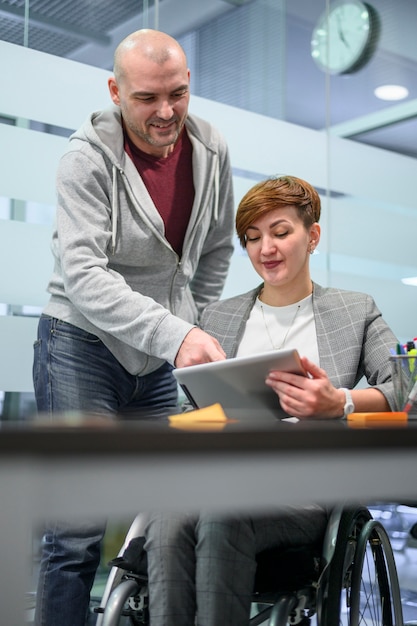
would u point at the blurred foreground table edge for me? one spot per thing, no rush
(104, 470)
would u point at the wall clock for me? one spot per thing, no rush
(345, 37)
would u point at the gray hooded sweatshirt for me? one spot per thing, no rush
(115, 273)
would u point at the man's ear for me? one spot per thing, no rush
(114, 90)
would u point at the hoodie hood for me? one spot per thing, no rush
(99, 131)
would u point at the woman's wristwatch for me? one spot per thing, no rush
(349, 406)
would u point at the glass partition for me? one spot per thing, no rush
(278, 81)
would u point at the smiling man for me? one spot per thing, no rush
(151, 87)
(142, 244)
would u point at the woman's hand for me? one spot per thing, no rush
(307, 396)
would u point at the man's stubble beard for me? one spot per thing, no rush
(147, 137)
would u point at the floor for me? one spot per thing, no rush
(405, 551)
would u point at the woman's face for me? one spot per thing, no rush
(278, 245)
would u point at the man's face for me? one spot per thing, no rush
(153, 99)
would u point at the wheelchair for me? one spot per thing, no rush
(349, 580)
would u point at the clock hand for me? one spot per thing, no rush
(340, 32)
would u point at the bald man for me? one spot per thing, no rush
(142, 244)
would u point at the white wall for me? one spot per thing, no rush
(368, 227)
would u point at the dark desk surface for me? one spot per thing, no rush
(96, 437)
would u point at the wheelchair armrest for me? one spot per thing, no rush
(134, 558)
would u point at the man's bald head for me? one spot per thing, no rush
(151, 86)
(150, 44)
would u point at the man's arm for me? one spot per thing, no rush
(84, 275)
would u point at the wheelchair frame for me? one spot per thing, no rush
(357, 583)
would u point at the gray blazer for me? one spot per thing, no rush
(353, 339)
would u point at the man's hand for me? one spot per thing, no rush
(198, 347)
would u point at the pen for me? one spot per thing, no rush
(411, 397)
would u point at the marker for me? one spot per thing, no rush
(411, 351)
(411, 397)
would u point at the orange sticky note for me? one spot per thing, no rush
(386, 418)
(208, 418)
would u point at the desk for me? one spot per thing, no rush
(119, 469)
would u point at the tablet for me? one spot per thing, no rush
(239, 384)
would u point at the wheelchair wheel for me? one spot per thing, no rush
(375, 595)
(127, 605)
(360, 585)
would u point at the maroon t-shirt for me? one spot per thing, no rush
(169, 182)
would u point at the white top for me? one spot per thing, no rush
(277, 327)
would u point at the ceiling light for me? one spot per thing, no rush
(391, 92)
(410, 281)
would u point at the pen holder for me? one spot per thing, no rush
(404, 373)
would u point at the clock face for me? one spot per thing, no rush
(344, 37)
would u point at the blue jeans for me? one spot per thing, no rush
(73, 370)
